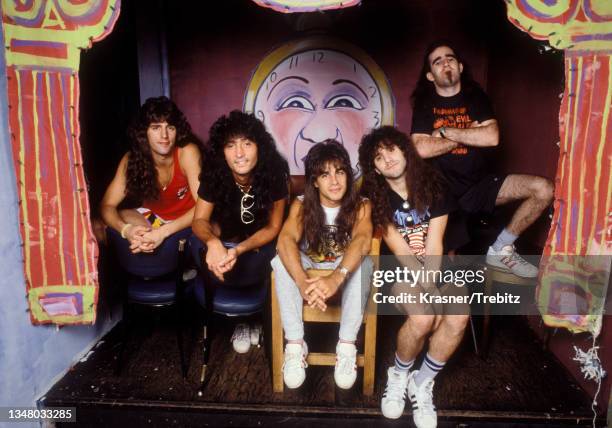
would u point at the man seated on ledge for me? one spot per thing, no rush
(328, 227)
(240, 209)
(160, 173)
(452, 123)
(409, 208)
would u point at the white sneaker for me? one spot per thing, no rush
(423, 410)
(509, 260)
(394, 397)
(345, 372)
(241, 339)
(255, 334)
(294, 367)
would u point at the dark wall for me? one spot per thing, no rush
(108, 77)
(213, 52)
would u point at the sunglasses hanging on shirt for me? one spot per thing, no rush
(246, 204)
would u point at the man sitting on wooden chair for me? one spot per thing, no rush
(328, 227)
(406, 194)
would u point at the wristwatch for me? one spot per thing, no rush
(442, 131)
(344, 271)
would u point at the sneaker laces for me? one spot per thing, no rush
(425, 397)
(516, 257)
(396, 388)
(345, 363)
(294, 361)
(241, 333)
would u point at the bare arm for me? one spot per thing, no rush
(399, 247)
(485, 134)
(267, 233)
(287, 246)
(434, 243)
(430, 147)
(202, 228)
(115, 193)
(361, 241)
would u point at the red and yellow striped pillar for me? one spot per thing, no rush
(43, 40)
(582, 219)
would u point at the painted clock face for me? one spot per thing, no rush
(318, 94)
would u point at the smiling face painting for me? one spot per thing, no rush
(318, 94)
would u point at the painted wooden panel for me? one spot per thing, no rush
(43, 40)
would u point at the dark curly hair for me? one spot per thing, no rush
(424, 88)
(270, 167)
(318, 157)
(141, 176)
(423, 181)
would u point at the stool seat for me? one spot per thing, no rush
(232, 301)
(155, 291)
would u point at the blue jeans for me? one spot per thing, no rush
(251, 268)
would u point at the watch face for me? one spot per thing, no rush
(316, 89)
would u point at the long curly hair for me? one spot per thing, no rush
(424, 182)
(141, 176)
(270, 167)
(424, 88)
(318, 157)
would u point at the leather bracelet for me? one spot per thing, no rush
(124, 229)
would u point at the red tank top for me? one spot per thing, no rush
(176, 199)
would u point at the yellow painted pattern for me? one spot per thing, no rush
(58, 187)
(22, 187)
(39, 196)
(580, 245)
(88, 295)
(570, 131)
(561, 34)
(81, 37)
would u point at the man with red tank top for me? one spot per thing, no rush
(160, 174)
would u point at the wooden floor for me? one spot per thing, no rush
(518, 383)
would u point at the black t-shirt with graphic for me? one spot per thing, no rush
(412, 224)
(243, 214)
(464, 166)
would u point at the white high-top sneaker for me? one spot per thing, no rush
(294, 367)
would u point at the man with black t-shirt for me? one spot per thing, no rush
(411, 211)
(239, 212)
(452, 122)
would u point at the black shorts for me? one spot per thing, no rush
(481, 196)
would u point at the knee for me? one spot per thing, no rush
(456, 324)
(421, 325)
(543, 190)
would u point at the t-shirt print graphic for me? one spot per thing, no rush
(455, 117)
(331, 248)
(413, 227)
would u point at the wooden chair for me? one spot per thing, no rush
(367, 359)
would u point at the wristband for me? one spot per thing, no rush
(442, 131)
(124, 229)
